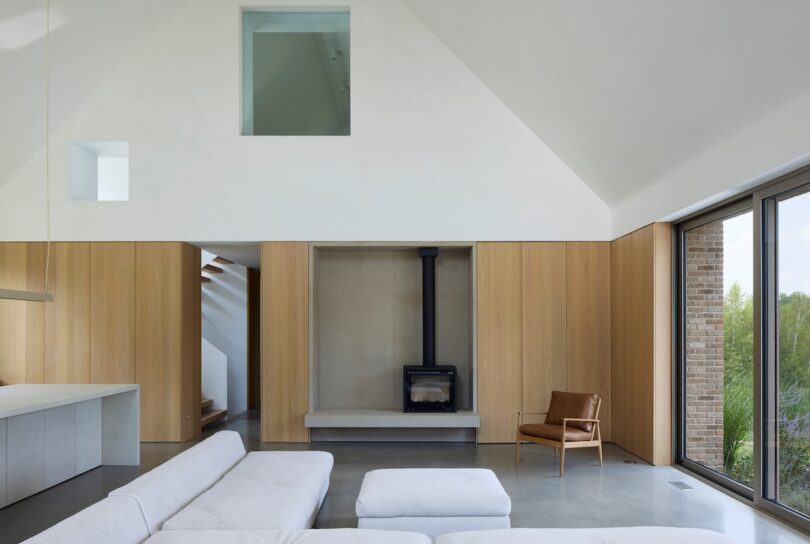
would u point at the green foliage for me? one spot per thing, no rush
(738, 410)
(794, 393)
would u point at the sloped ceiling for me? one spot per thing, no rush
(626, 91)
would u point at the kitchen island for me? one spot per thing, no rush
(50, 433)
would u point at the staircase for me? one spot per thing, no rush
(209, 414)
(212, 269)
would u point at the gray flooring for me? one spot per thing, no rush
(625, 491)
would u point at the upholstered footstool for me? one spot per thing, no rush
(432, 501)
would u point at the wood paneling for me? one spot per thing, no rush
(112, 312)
(641, 339)
(588, 323)
(88, 334)
(67, 330)
(499, 317)
(167, 340)
(191, 330)
(285, 339)
(662, 346)
(544, 324)
(254, 304)
(21, 323)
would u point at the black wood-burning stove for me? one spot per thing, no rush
(429, 387)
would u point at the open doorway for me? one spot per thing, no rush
(230, 308)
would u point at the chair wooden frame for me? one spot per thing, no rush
(562, 445)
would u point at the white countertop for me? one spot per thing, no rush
(26, 398)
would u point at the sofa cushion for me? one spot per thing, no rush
(613, 535)
(166, 489)
(579, 405)
(312, 536)
(433, 492)
(266, 490)
(435, 526)
(114, 519)
(555, 432)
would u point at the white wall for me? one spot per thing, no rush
(214, 375)
(768, 147)
(433, 154)
(224, 325)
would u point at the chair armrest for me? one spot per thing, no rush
(579, 419)
(521, 414)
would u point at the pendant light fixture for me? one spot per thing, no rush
(42, 296)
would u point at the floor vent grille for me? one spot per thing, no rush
(683, 486)
(630, 462)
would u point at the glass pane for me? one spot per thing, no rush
(719, 340)
(793, 349)
(296, 73)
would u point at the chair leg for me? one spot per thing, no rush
(556, 452)
(517, 450)
(562, 461)
(600, 453)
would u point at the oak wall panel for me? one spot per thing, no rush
(112, 312)
(22, 332)
(67, 318)
(500, 352)
(588, 323)
(641, 377)
(544, 324)
(284, 341)
(167, 340)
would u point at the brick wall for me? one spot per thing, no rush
(704, 345)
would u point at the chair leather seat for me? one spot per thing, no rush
(555, 432)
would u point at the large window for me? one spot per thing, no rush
(295, 73)
(744, 346)
(719, 343)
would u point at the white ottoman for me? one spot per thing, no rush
(432, 501)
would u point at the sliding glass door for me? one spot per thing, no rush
(718, 344)
(743, 387)
(786, 357)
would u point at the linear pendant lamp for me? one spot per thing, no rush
(29, 296)
(39, 296)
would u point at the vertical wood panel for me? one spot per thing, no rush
(112, 312)
(588, 323)
(284, 346)
(254, 338)
(544, 324)
(158, 339)
(67, 318)
(22, 324)
(619, 279)
(662, 351)
(639, 374)
(499, 316)
(191, 330)
(641, 336)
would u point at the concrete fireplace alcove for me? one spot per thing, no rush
(366, 325)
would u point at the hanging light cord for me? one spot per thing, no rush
(47, 140)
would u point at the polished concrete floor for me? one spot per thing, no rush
(625, 491)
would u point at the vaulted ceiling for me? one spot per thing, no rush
(626, 91)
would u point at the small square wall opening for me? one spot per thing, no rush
(99, 171)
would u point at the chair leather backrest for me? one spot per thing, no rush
(582, 405)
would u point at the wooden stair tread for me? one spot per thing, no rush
(205, 279)
(212, 269)
(212, 416)
(206, 403)
(222, 260)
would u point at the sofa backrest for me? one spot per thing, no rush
(114, 519)
(168, 488)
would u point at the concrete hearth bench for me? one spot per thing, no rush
(432, 501)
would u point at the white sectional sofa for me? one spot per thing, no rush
(216, 493)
